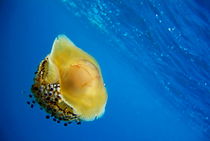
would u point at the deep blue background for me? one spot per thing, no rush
(154, 57)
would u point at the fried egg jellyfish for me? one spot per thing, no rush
(68, 83)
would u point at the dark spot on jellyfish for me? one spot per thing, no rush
(33, 102)
(50, 93)
(54, 119)
(54, 110)
(56, 99)
(51, 89)
(58, 121)
(28, 102)
(30, 96)
(69, 122)
(79, 122)
(65, 124)
(49, 109)
(47, 117)
(52, 115)
(32, 105)
(48, 98)
(35, 88)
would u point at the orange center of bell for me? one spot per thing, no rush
(79, 76)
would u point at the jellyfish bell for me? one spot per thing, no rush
(69, 83)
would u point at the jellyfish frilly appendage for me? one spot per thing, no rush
(76, 81)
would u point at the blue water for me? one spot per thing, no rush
(154, 57)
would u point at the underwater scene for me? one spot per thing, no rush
(105, 70)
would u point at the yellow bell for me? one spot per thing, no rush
(69, 84)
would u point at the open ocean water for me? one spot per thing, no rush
(154, 56)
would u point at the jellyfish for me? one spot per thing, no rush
(68, 84)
